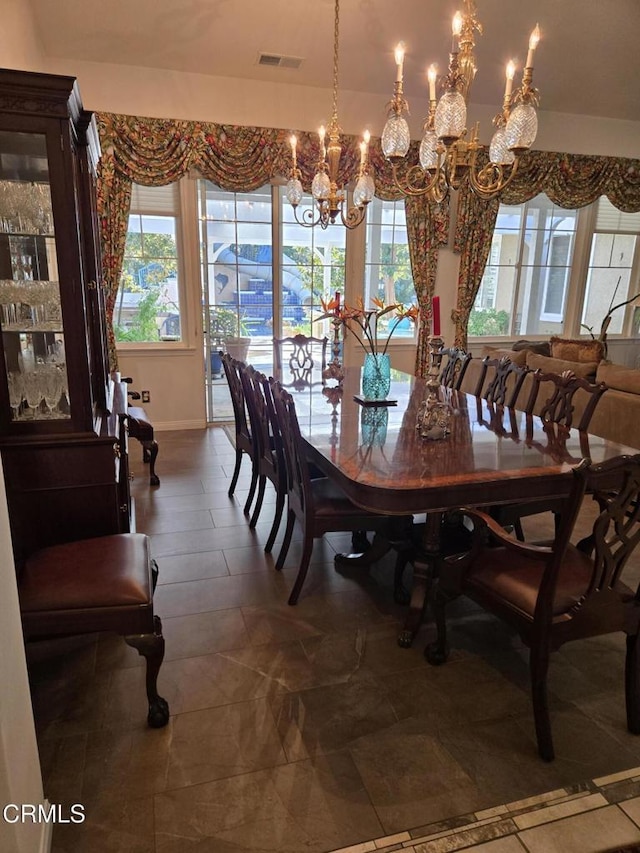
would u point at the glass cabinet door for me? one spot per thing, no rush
(30, 306)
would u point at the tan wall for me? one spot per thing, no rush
(20, 778)
(19, 42)
(175, 382)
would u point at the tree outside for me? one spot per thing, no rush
(150, 270)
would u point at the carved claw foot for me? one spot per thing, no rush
(158, 715)
(154, 480)
(405, 639)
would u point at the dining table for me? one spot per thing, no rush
(489, 456)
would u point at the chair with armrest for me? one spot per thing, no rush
(453, 372)
(551, 594)
(298, 359)
(94, 585)
(245, 442)
(319, 505)
(140, 427)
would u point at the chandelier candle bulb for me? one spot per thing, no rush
(510, 73)
(364, 150)
(321, 134)
(431, 75)
(533, 43)
(399, 56)
(456, 29)
(293, 140)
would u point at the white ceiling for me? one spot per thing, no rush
(588, 60)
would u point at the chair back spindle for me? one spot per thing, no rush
(300, 357)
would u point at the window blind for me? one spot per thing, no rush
(611, 219)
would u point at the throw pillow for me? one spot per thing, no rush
(541, 347)
(577, 350)
(620, 377)
(519, 358)
(586, 370)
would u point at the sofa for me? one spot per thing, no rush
(617, 416)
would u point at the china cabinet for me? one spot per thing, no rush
(63, 452)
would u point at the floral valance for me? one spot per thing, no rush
(154, 152)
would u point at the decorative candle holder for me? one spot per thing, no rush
(434, 415)
(334, 369)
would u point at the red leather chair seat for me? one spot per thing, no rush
(65, 577)
(496, 576)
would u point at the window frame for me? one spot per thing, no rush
(185, 228)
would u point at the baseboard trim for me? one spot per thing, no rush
(163, 426)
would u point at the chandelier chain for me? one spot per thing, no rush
(336, 35)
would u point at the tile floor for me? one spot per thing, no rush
(307, 728)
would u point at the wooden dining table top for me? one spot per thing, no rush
(378, 457)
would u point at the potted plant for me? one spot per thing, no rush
(227, 331)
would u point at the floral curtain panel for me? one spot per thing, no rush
(427, 230)
(569, 180)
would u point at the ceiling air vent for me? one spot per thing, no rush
(275, 60)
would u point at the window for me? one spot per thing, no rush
(147, 307)
(525, 284)
(263, 275)
(613, 251)
(312, 268)
(387, 271)
(556, 278)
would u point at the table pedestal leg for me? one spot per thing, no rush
(425, 561)
(376, 551)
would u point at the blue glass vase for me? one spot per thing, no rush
(376, 376)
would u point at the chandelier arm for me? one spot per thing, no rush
(354, 216)
(413, 182)
(307, 218)
(496, 185)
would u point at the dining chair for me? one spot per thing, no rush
(303, 357)
(245, 442)
(93, 585)
(270, 452)
(553, 593)
(453, 372)
(559, 407)
(319, 505)
(557, 411)
(505, 381)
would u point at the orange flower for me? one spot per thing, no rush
(363, 322)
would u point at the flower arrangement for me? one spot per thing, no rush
(363, 322)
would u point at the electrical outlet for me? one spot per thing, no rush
(145, 396)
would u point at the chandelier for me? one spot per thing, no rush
(447, 156)
(330, 200)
